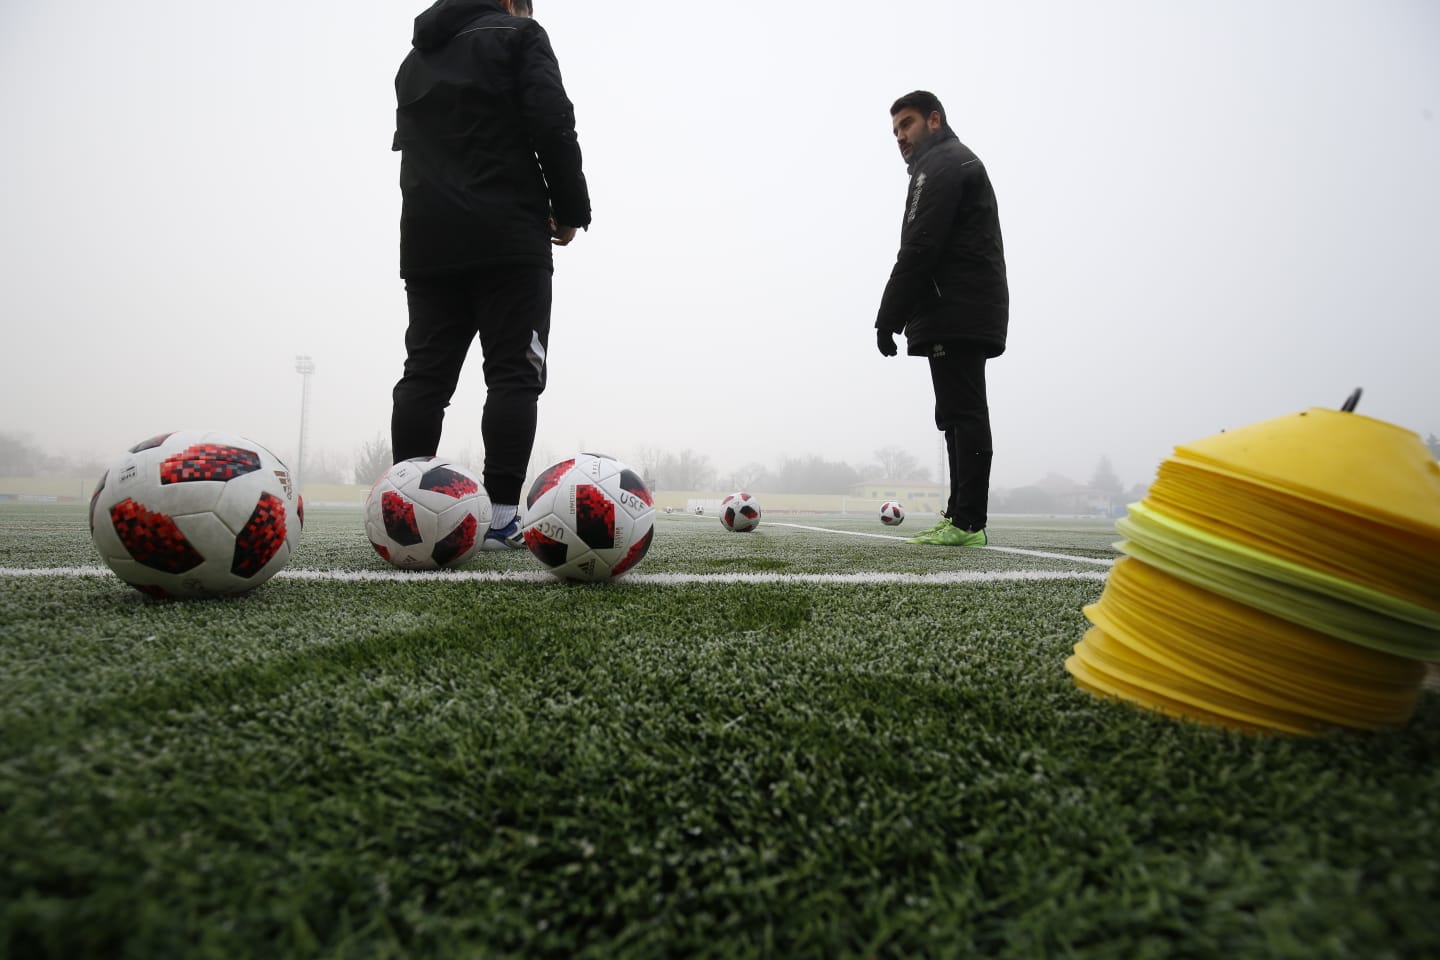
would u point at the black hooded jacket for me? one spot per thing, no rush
(487, 142)
(949, 282)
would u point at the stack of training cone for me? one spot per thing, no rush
(1283, 576)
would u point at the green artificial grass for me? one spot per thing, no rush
(412, 767)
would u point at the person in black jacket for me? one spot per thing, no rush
(948, 295)
(490, 180)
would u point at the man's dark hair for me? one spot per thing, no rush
(922, 100)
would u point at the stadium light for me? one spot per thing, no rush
(305, 367)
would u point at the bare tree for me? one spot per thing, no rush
(686, 470)
(897, 464)
(649, 462)
(751, 477)
(372, 459)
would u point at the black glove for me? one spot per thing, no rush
(885, 340)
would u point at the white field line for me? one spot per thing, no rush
(1097, 561)
(846, 533)
(654, 579)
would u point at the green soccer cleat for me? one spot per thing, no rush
(940, 524)
(924, 535)
(950, 535)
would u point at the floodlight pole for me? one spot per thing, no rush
(305, 367)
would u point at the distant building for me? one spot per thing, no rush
(920, 496)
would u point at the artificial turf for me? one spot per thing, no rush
(435, 767)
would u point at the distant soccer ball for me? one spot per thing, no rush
(699, 511)
(891, 513)
(740, 512)
(589, 518)
(426, 513)
(196, 514)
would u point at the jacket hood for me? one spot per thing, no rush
(445, 18)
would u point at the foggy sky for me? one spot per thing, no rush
(1214, 213)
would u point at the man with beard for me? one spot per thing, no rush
(948, 294)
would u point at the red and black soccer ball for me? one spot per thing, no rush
(740, 512)
(589, 518)
(196, 513)
(427, 513)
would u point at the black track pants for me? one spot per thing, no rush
(963, 414)
(508, 309)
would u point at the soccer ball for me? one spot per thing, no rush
(589, 518)
(891, 513)
(740, 512)
(426, 513)
(196, 514)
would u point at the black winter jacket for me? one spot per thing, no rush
(949, 281)
(487, 142)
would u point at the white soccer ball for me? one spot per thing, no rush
(891, 513)
(589, 518)
(426, 513)
(740, 512)
(196, 513)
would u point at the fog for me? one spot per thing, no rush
(1214, 213)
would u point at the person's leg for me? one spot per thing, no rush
(436, 342)
(513, 310)
(962, 413)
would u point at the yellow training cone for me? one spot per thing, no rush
(1283, 576)
(1358, 465)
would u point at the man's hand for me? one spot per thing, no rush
(560, 236)
(885, 340)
